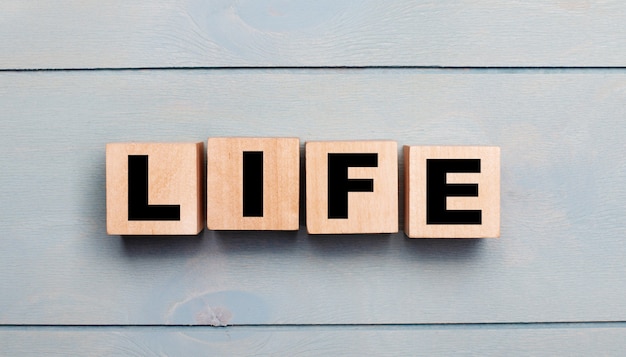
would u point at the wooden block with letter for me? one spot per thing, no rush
(253, 183)
(154, 188)
(452, 191)
(352, 187)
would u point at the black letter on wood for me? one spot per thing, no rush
(253, 183)
(437, 190)
(138, 207)
(339, 184)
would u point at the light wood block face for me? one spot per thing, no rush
(352, 187)
(253, 183)
(452, 191)
(154, 188)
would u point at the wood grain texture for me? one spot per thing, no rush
(174, 177)
(279, 179)
(486, 200)
(374, 210)
(315, 341)
(175, 33)
(560, 256)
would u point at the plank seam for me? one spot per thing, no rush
(544, 324)
(486, 68)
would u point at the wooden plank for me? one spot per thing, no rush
(175, 33)
(560, 255)
(314, 341)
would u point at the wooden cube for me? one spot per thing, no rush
(253, 183)
(154, 188)
(352, 187)
(452, 191)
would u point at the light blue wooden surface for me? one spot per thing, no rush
(174, 33)
(317, 341)
(563, 199)
(560, 258)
